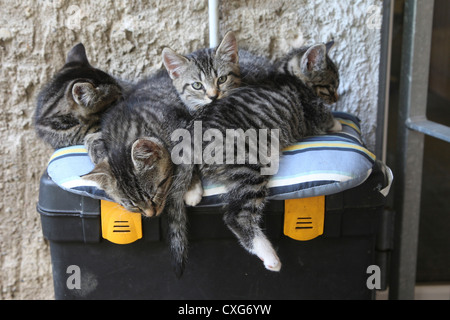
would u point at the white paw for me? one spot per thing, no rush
(273, 265)
(264, 250)
(194, 195)
(337, 126)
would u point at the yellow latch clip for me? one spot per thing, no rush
(119, 225)
(304, 218)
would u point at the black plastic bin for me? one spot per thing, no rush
(334, 265)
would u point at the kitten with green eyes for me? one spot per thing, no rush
(137, 170)
(207, 75)
(204, 75)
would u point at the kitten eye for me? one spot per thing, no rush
(222, 79)
(323, 91)
(197, 85)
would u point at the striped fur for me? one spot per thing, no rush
(70, 106)
(205, 75)
(282, 102)
(254, 68)
(137, 171)
(315, 68)
(311, 64)
(137, 167)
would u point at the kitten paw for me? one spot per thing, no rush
(264, 250)
(194, 195)
(273, 265)
(337, 126)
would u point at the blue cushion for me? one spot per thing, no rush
(317, 165)
(67, 165)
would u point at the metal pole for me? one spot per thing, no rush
(385, 72)
(213, 12)
(418, 23)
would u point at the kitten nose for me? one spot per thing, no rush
(213, 97)
(149, 212)
(212, 93)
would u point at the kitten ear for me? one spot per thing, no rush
(174, 62)
(77, 54)
(101, 174)
(145, 152)
(314, 59)
(83, 93)
(329, 45)
(228, 48)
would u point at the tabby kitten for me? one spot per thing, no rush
(144, 126)
(137, 170)
(70, 106)
(139, 174)
(287, 98)
(205, 75)
(284, 102)
(315, 68)
(310, 64)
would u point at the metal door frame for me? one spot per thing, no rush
(412, 128)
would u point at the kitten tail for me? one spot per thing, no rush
(177, 218)
(178, 241)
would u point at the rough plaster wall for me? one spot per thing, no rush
(126, 38)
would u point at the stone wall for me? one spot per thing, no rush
(126, 38)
